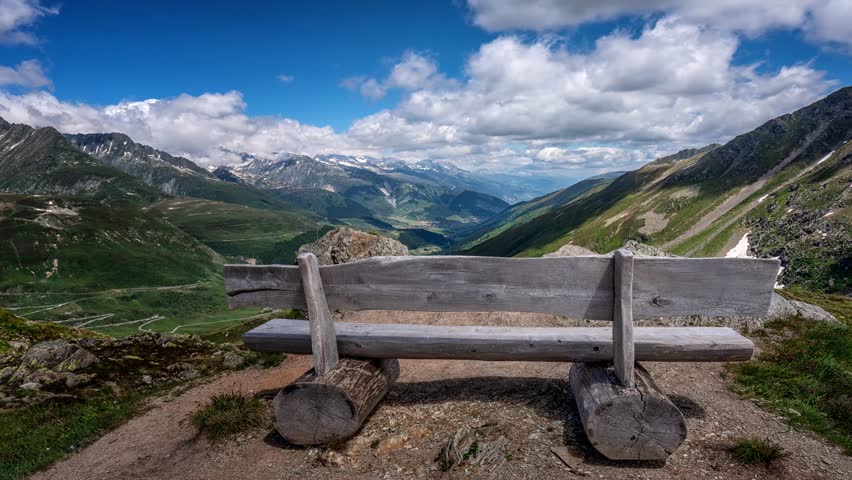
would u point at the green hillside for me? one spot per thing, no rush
(796, 165)
(60, 244)
(525, 211)
(238, 232)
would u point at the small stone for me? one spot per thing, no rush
(147, 380)
(333, 458)
(30, 386)
(232, 360)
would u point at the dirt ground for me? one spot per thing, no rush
(519, 409)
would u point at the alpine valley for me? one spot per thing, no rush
(97, 230)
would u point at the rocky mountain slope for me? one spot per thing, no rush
(168, 174)
(369, 193)
(43, 161)
(703, 202)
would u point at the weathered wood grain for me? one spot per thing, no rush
(323, 339)
(638, 423)
(581, 344)
(580, 287)
(318, 409)
(622, 317)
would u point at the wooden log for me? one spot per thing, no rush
(316, 410)
(638, 423)
(622, 317)
(539, 344)
(323, 339)
(579, 287)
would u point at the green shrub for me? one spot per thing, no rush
(228, 414)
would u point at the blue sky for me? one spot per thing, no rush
(571, 88)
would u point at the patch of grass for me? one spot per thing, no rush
(228, 414)
(756, 450)
(804, 374)
(34, 437)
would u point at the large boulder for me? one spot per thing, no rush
(780, 308)
(344, 245)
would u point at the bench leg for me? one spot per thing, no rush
(622, 317)
(323, 337)
(318, 409)
(638, 423)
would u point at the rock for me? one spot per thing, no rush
(780, 308)
(30, 386)
(47, 354)
(570, 250)
(78, 360)
(232, 360)
(147, 380)
(344, 245)
(183, 371)
(332, 458)
(643, 250)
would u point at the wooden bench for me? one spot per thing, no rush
(624, 413)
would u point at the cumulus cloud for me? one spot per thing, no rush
(17, 15)
(675, 84)
(521, 105)
(824, 20)
(198, 127)
(27, 74)
(414, 71)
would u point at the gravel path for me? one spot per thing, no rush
(524, 408)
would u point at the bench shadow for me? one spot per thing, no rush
(548, 397)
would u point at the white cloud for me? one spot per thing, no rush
(193, 126)
(414, 71)
(824, 20)
(17, 15)
(534, 105)
(674, 85)
(27, 74)
(285, 78)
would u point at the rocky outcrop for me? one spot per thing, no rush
(73, 366)
(780, 308)
(570, 250)
(344, 245)
(644, 250)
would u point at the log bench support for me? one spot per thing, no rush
(636, 423)
(332, 400)
(624, 413)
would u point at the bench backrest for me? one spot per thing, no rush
(578, 287)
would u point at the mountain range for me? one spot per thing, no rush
(780, 190)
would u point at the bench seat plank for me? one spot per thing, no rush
(544, 344)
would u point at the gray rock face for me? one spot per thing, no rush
(643, 250)
(570, 250)
(232, 360)
(344, 245)
(50, 363)
(780, 308)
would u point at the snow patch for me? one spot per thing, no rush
(825, 157)
(740, 250)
